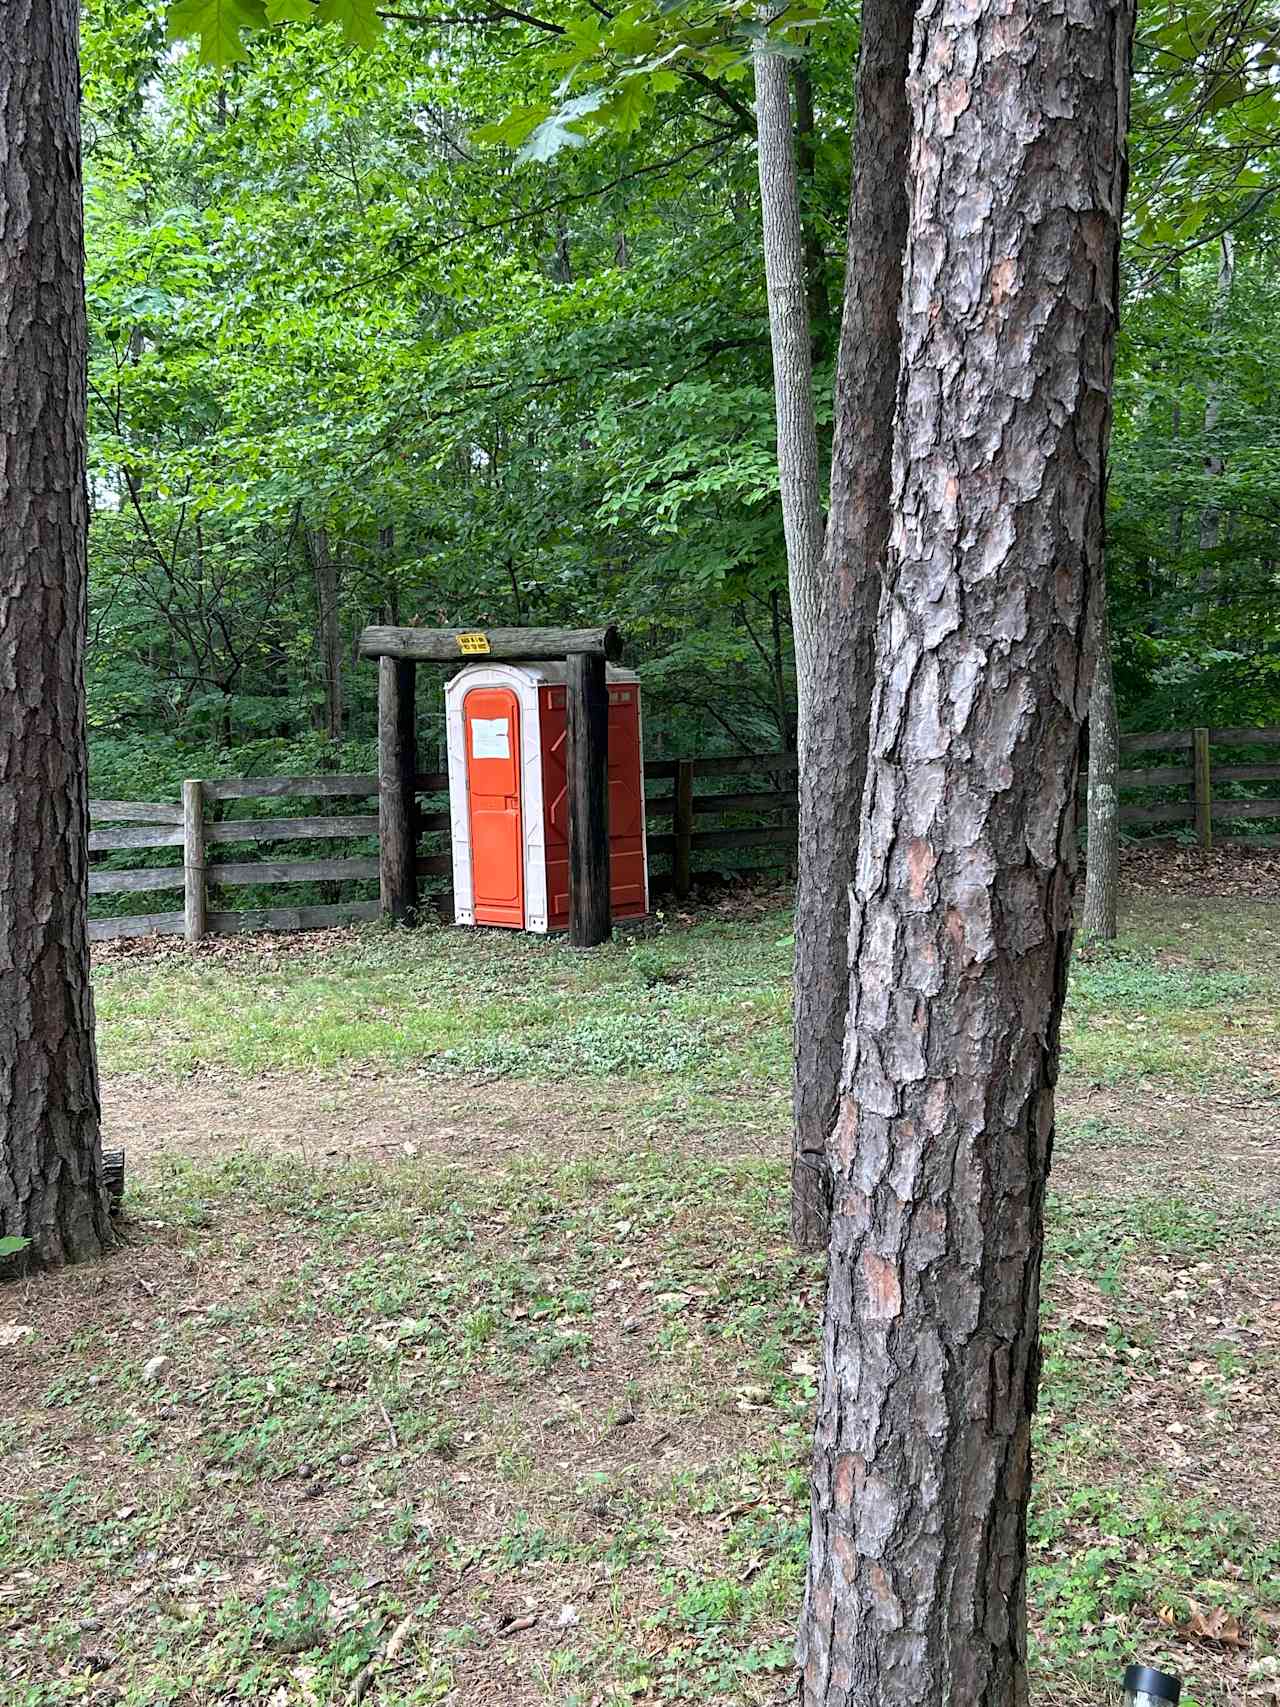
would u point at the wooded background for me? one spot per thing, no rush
(351, 362)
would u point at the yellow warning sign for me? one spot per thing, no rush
(473, 642)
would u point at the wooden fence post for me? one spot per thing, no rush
(587, 727)
(1203, 786)
(397, 803)
(681, 859)
(195, 888)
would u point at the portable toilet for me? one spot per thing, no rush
(508, 800)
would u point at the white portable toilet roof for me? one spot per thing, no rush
(551, 674)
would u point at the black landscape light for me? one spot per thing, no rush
(1144, 1687)
(113, 1178)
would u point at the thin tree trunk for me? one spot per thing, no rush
(1214, 461)
(961, 918)
(387, 546)
(328, 637)
(784, 269)
(50, 1152)
(1102, 871)
(1177, 519)
(831, 778)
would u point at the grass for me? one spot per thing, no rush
(706, 1006)
(523, 1006)
(531, 1424)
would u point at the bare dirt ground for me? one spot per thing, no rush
(1130, 1141)
(1206, 1146)
(333, 1118)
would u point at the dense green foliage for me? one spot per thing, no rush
(335, 318)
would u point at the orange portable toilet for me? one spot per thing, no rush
(508, 803)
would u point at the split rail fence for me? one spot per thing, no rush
(205, 825)
(689, 801)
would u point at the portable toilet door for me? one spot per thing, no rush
(491, 728)
(508, 798)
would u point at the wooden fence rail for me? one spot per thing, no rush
(195, 826)
(681, 816)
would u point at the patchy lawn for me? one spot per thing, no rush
(489, 1371)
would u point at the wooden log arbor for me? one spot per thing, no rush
(585, 652)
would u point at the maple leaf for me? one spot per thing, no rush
(219, 25)
(359, 19)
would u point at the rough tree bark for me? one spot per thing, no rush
(784, 268)
(50, 1152)
(1102, 873)
(831, 777)
(961, 917)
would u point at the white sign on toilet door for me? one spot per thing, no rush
(490, 738)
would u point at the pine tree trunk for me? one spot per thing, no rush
(1102, 872)
(50, 1153)
(961, 917)
(784, 267)
(832, 776)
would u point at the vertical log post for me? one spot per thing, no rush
(397, 770)
(1203, 788)
(587, 726)
(195, 889)
(681, 859)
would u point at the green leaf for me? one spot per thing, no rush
(630, 37)
(359, 19)
(290, 11)
(218, 24)
(629, 108)
(12, 1245)
(512, 130)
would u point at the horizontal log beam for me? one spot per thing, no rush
(770, 800)
(1175, 812)
(293, 871)
(135, 882)
(1158, 742)
(292, 918)
(434, 865)
(137, 924)
(449, 645)
(359, 785)
(1246, 773)
(1244, 737)
(781, 834)
(1246, 808)
(1159, 776)
(747, 764)
(104, 841)
(133, 812)
(292, 829)
(273, 787)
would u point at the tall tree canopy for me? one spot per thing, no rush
(329, 303)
